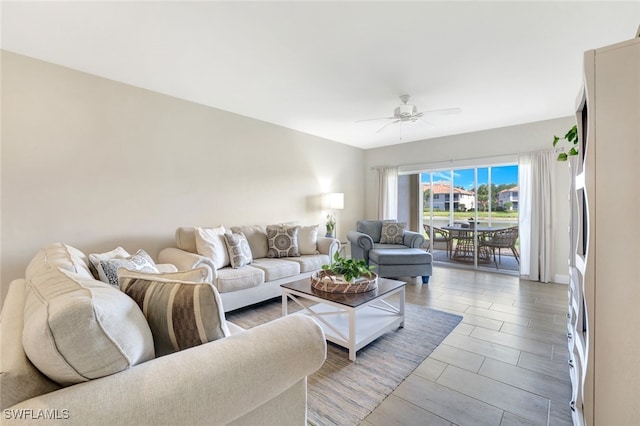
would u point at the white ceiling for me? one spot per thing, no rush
(318, 67)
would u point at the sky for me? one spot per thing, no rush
(464, 177)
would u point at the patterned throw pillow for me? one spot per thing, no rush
(140, 262)
(96, 258)
(238, 248)
(283, 241)
(392, 233)
(180, 314)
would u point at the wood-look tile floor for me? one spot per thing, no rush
(505, 364)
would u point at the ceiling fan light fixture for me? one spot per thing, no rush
(405, 110)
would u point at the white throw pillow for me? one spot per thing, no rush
(96, 258)
(210, 243)
(308, 239)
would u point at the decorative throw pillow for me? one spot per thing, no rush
(308, 239)
(392, 233)
(210, 243)
(96, 258)
(198, 275)
(180, 314)
(283, 241)
(238, 248)
(140, 261)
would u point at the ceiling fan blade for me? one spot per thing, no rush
(374, 119)
(445, 111)
(387, 125)
(430, 124)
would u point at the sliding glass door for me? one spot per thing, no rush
(470, 216)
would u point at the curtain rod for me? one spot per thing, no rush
(561, 149)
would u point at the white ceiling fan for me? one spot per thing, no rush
(409, 113)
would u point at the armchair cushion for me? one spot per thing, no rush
(372, 228)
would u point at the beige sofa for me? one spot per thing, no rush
(257, 376)
(258, 281)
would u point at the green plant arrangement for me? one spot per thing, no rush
(345, 276)
(572, 138)
(349, 268)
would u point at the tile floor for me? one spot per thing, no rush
(505, 363)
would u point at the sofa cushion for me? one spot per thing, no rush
(283, 241)
(210, 243)
(276, 268)
(310, 262)
(230, 279)
(238, 248)
(181, 314)
(19, 379)
(58, 255)
(392, 232)
(372, 228)
(140, 261)
(77, 328)
(96, 258)
(257, 238)
(308, 239)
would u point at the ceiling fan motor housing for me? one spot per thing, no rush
(405, 110)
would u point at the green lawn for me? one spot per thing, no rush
(482, 216)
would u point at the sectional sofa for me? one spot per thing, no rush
(79, 351)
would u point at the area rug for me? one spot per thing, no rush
(344, 392)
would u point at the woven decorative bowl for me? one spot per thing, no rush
(328, 282)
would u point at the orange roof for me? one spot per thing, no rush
(514, 189)
(445, 188)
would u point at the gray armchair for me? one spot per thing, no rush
(390, 260)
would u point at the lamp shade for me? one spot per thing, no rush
(335, 201)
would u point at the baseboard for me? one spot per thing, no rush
(561, 279)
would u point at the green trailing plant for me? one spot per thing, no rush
(572, 138)
(349, 268)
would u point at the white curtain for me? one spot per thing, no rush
(536, 230)
(388, 193)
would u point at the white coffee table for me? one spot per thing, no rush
(350, 320)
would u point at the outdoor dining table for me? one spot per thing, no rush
(464, 247)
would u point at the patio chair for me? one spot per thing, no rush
(439, 236)
(502, 238)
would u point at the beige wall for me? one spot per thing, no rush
(472, 148)
(95, 163)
